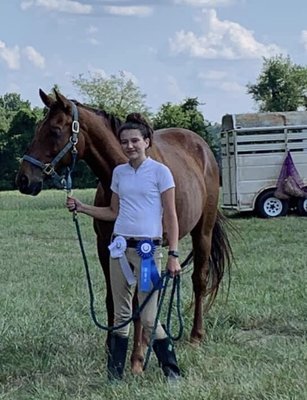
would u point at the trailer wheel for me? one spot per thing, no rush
(269, 206)
(302, 207)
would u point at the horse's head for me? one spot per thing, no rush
(55, 141)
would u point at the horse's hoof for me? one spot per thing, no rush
(137, 368)
(196, 339)
(194, 342)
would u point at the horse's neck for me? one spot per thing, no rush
(102, 149)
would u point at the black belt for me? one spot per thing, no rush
(132, 243)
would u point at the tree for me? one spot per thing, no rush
(117, 95)
(186, 115)
(281, 85)
(13, 102)
(10, 104)
(14, 143)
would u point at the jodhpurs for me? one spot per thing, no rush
(123, 295)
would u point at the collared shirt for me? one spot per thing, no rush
(139, 191)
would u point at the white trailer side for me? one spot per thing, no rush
(253, 150)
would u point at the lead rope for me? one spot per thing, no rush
(162, 289)
(167, 328)
(91, 292)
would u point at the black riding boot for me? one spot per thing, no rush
(117, 351)
(165, 353)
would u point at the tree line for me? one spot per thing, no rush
(281, 86)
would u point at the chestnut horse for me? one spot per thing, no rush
(92, 135)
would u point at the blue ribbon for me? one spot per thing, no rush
(149, 272)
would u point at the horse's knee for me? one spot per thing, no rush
(199, 281)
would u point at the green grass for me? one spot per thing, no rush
(255, 346)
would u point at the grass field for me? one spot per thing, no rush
(50, 349)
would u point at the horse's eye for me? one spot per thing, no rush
(55, 132)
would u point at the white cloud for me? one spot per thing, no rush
(173, 88)
(220, 80)
(11, 56)
(304, 38)
(212, 75)
(92, 29)
(205, 3)
(93, 41)
(34, 57)
(233, 87)
(26, 4)
(69, 6)
(129, 11)
(223, 39)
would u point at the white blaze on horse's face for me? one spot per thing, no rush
(134, 145)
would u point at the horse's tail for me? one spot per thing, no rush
(220, 259)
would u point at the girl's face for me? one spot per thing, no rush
(134, 145)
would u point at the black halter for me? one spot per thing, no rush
(48, 169)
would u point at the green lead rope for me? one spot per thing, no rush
(165, 277)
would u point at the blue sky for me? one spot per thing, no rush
(172, 49)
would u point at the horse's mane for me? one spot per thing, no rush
(113, 121)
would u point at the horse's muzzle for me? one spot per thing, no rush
(26, 187)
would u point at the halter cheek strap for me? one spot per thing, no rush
(49, 168)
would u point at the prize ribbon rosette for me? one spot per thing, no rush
(149, 272)
(117, 250)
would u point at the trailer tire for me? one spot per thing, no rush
(302, 207)
(269, 206)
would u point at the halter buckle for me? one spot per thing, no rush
(49, 169)
(73, 140)
(75, 126)
(74, 149)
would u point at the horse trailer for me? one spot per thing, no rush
(254, 148)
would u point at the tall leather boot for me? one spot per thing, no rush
(165, 353)
(117, 351)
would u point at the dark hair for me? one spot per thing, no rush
(137, 121)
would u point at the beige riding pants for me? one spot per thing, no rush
(123, 294)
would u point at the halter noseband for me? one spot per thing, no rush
(49, 168)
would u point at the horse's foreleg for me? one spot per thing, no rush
(103, 253)
(139, 344)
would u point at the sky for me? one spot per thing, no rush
(171, 49)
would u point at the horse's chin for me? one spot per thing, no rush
(31, 190)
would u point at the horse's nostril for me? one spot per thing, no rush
(23, 181)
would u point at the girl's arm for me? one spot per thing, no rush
(171, 226)
(104, 213)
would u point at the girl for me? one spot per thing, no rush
(143, 192)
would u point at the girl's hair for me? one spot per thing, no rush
(137, 121)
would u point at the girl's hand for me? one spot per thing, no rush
(74, 204)
(173, 266)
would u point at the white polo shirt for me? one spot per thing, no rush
(139, 191)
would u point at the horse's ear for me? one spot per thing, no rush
(46, 99)
(63, 102)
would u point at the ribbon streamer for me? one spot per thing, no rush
(117, 250)
(149, 272)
